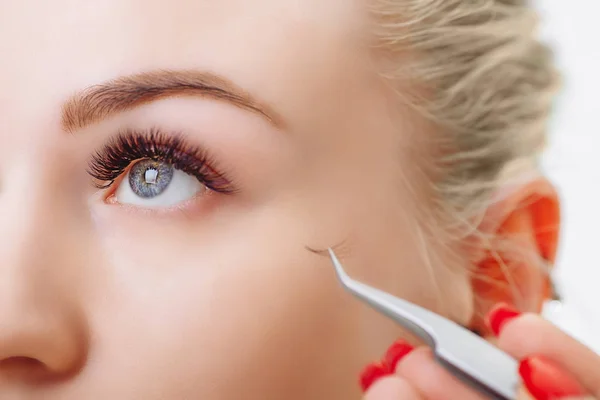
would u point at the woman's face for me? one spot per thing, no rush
(264, 131)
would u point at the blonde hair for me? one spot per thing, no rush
(477, 72)
(482, 77)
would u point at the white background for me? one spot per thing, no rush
(573, 161)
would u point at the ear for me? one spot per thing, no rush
(518, 246)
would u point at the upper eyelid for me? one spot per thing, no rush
(130, 145)
(118, 154)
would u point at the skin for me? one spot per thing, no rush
(419, 377)
(219, 298)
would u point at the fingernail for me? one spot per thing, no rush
(370, 374)
(395, 353)
(499, 315)
(545, 380)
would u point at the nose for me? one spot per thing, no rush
(37, 342)
(42, 329)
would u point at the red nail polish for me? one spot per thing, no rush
(370, 374)
(547, 381)
(499, 315)
(395, 353)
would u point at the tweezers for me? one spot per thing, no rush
(465, 355)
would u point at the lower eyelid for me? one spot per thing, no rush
(185, 210)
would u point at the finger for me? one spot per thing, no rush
(530, 335)
(421, 370)
(524, 395)
(393, 388)
(580, 398)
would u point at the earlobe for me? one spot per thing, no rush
(522, 238)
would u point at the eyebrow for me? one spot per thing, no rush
(101, 101)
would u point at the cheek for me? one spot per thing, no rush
(221, 304)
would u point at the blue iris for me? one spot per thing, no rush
(149, 178)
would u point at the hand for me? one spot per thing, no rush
(553, 365)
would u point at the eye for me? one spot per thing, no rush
(156, 184)
(151, 169)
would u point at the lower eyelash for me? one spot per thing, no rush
(130, 146)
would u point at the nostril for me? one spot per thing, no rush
(22, 363)
(22, 368)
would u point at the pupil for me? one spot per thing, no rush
(149, 178)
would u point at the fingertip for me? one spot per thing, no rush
(499, 316)
(392, 388)
(531, 335)
(420, 358)
(546, 380)
(371, 374)
(395, 353)
(422, 370)
(513, 340)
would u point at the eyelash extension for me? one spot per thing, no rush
(131, 146)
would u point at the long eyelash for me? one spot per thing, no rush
(130, 146)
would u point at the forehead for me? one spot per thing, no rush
(54, 48)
